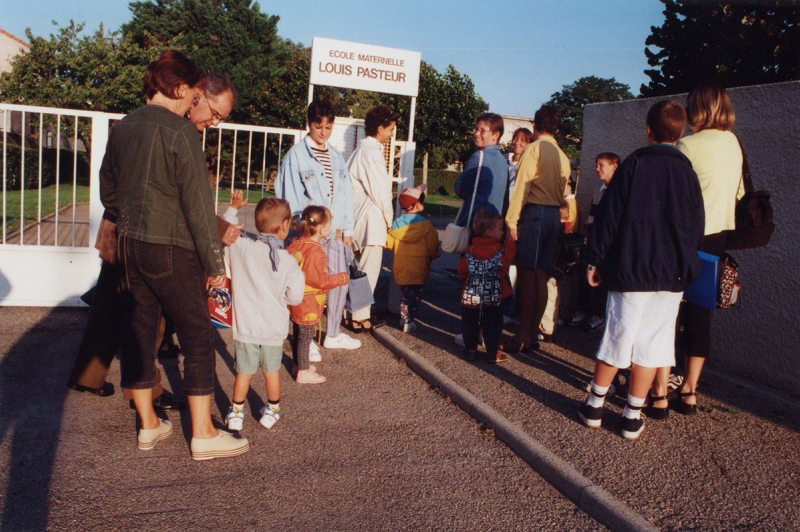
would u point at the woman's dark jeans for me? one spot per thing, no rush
(156, 276)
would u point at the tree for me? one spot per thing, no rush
(447, 106)
(571, 101)
(100, 72)
(731, 43)
(231, 37)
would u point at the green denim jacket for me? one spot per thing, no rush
(154, 178)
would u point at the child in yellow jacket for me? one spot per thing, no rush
(415, 243)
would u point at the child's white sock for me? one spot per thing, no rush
(598, 396)
(633, 410)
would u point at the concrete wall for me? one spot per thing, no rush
(760, 340)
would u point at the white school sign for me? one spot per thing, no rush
(353, 65)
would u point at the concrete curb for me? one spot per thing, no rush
(592, 499)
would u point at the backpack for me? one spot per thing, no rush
(482, 288)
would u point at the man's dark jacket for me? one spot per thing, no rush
(649, 224)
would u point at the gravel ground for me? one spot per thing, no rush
(734, 466)
(374, 448)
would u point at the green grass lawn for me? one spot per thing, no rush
(11, 200)
(442, 205)
(254, 196)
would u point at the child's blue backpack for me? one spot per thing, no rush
(482, 288)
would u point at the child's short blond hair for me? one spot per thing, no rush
(271, 213)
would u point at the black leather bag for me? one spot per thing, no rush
(754, 223)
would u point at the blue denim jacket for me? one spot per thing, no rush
(302, 182)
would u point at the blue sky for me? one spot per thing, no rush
(517, 52)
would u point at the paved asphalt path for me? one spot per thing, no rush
(374, 448)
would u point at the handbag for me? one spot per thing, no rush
(754, 223)
(456, 238)
(729, 286)
(359, 291)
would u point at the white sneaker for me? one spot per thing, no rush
(340, 342)
(269, 416)
(459, 340)
(313, 352)
(409, 327)
(235, 418)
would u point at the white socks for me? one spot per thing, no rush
(633, 410)
(597, 397)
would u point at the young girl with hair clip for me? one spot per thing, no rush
(313, 225)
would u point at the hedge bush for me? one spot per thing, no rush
(14, 170)
(440, 182)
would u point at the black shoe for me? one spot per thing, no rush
(684, 408)
(165, 401)
(529, 350)
(471, 356)
(592, 417)
(104, 391)
(653, 412)
(632, 428)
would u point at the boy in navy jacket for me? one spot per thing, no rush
(643, 245)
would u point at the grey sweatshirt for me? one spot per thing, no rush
(260, 295)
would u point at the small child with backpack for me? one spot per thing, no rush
(484, 267)
(415, 243)
(313, 225)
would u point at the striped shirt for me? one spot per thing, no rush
(324, 156)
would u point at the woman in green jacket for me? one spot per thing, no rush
(154, 179)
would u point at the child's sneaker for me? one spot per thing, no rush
(310, 377)
(592, 417)
(632, 428)
(313, 352)
(496, 359)
(409, 327)
(269, 416)
(235, 417)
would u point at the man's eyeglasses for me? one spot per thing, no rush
(214, 113)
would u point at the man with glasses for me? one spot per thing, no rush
(101, 337)
(215, 105)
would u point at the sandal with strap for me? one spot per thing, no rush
(367, 325)
(684, 408)
(656, 413)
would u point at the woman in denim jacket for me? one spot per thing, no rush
(314, 173)
(154, 179)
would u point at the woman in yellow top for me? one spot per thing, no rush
(716, 156)
(534, 222)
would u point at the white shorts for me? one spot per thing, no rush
(640, 329)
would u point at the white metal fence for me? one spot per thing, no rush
(51, 199)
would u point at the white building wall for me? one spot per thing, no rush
(759, 340)
(9, 47)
